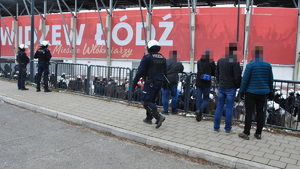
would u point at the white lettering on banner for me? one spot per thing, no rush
(98, 36)
(4, 36)
(78, 37)
(55, 34)
(139, 32)
(27, 34)
(20, 35)
(101, 49)
(129, 34)
(163, 39)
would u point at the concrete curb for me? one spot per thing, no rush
(220, 159)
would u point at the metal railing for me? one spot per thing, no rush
(115, 83)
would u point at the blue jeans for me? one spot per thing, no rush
(228, 96)
(165, 97)
(202, 102)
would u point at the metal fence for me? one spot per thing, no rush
(115, 82)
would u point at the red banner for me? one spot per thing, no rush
(273, 28)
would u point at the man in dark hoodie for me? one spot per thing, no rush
(204, 66)
(228, 76)
(173, 68)
(153, 69)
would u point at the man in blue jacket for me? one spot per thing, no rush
(256, 85)
(153, 70)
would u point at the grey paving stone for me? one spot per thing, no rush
(260, 160)
(291, 166)
(257, 153)
(267, 150)
(288, 160)
(245, 156)
(252, 147)
(271, 156)
(241, 150)
(278, 164)
(230, 152)
(278, 148)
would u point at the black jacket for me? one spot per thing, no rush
(173, 68)
(22, 58)
(205, 67)
(228, 73)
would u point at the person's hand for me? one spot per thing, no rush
(242, 95)
(165, 86)
(270, 95)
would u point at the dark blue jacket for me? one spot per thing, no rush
(146, 63)
(257, 78)
(47, 56)
(22, 58)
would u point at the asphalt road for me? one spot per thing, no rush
(32, 140)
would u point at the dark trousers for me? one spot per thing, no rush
(42, 68)
(252, 102)
(21, 76)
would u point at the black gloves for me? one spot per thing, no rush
(165, 85)
(270, 95)
(242, 95)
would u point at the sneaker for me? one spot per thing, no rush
(216, 131)
(230, 132)
(243, 136)
(38, 90)
(24, 88)
(147, 121)
(159, 122)
(257, 136)
(165, 113)
(47, 90)
(198, 115)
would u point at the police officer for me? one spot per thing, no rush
(153, 69)
(22, 60)
(43, 55)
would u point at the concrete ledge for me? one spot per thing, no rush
(71, 118)
(220, 159)
(129, 135)
(97, 126)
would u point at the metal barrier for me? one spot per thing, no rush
(112, 82)
(115, 82)
(8, 69)
(72, 77)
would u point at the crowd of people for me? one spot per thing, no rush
(217, 88)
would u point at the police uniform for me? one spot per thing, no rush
(153, 70)
(22, 60)
(43, 55)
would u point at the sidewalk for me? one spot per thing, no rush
(178, 134)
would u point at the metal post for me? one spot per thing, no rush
(247, 33)
(15, 29)
(30, 18)
(31, 40)
(192, 34)
(108, 28)
(238, 22)
(143, 24)
(297, 58)
(9, 38)
(74, 30)
(65, 26)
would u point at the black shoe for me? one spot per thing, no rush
(198, 115)
(24, 88)
(159, 121)
(38, 90)
(147, 121)
(257, 136)
(47, 90)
